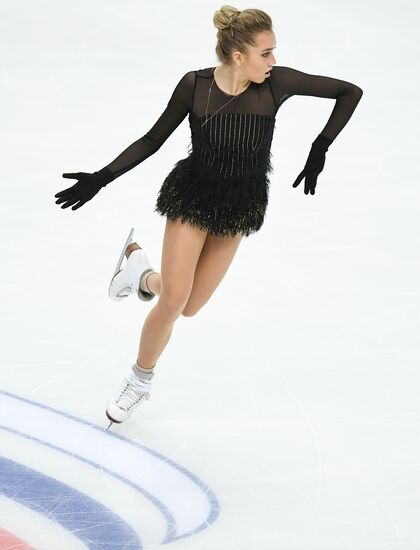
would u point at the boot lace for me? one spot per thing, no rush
(132, 394)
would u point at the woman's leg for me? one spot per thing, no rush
(182, 246)
(215, 259)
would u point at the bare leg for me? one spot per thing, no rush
(155, 335)
(156, 330)
(182, 247)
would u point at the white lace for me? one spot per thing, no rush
(133, 393)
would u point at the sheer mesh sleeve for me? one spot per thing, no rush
(177, 109)
(286, 82)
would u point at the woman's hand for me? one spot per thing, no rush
(314, 164)
(87, 186)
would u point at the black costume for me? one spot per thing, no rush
(223, 184)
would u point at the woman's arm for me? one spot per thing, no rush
(288, 81)
(177, 109)
(88, 185)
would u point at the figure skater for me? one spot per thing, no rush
(219, 192)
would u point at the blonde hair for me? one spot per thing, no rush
(236, 30)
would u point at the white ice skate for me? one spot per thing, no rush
(126, 281)
(133, 392)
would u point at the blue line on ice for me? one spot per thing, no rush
(187, 504)
(88, 520)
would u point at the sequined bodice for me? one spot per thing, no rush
(232, 143)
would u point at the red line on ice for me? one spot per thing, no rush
(8, 541)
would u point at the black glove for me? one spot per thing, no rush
(85, 189)
(314, 164)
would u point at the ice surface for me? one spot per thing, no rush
(285, 414)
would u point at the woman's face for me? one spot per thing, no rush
(260, 57)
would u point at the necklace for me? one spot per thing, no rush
(207, 106)
(208, 99)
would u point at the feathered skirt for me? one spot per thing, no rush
(221, 205)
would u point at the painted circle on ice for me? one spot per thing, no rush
(185, 502)
(91, 522)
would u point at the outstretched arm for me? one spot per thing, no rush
(177, 109)
(286, 80)
(88, 185)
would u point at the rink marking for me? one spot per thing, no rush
(170, 520)
(187, 504)
(9, 541)
(88, 520)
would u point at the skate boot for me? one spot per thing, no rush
(135, 389)
(127, 280)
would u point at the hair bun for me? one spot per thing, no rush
(234, 18)
(225, 17)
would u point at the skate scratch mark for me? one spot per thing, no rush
(187, 504)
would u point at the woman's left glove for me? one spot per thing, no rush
(315, 164)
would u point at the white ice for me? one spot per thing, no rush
(293, 395)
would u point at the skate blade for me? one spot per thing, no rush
(107, 428)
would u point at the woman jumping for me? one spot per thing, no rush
(219, 193)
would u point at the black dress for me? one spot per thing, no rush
(222, 186)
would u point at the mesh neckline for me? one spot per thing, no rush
(225, 93)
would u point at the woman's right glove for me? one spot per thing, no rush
(87, 186)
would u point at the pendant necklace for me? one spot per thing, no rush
(208, 99)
